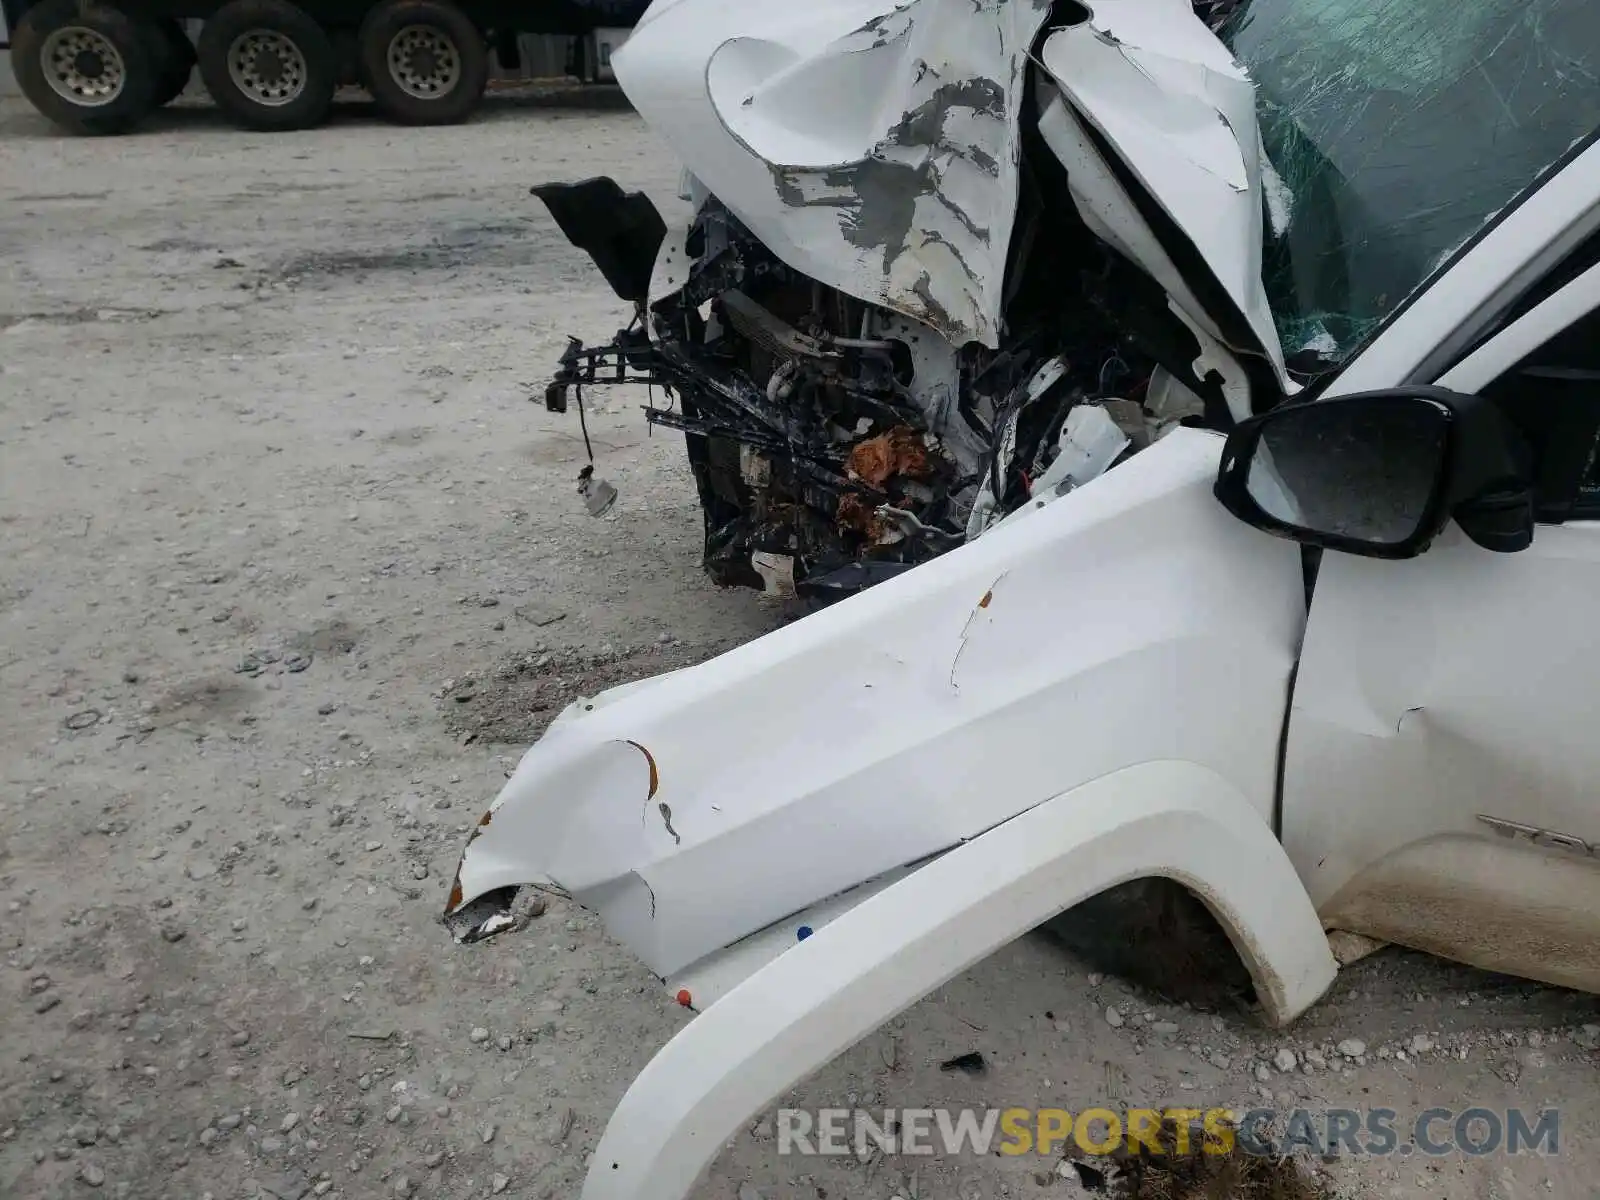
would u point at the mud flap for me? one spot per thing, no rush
(621, 231)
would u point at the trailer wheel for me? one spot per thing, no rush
(268, 65)
(175, 59)
(86, 66)
(424, 61)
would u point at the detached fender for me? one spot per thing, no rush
(1172, 819)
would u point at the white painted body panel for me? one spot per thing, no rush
(1439, 688)
(1443, 689)
(873, 147)
(1132, 620)
(876, 148)
(1108, 211)
(822, 995)
(1160, 87)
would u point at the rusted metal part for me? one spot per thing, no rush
(454, 900)
(858, 516)
(900, 451)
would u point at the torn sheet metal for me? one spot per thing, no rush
(986, 509)
(1156, 83)
(1090, 443)
(852, 164)
(873, 148)
(777, 573)
(913, 715)
(672, 264)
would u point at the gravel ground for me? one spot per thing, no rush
(291, 564)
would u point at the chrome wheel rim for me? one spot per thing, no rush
(83, 67)
(424, 62)
(268, 67)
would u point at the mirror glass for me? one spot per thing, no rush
(1363, 469)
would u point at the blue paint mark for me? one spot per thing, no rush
(802, 933)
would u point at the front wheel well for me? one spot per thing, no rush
(1159, 934)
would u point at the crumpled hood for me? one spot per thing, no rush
(872, 147)
(1133, 621)
(876, 148)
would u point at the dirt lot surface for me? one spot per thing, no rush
(270, 491)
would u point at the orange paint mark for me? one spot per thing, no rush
(987, 596)
(655, 776)
(455, 897)
(684, 998)
(486, 818)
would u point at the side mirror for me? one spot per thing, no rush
(1380, 473)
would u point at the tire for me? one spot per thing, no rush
(87, 66)
(268, 65)
(175, 58)
(424, 61)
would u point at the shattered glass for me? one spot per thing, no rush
(1395, 130)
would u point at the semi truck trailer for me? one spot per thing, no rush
(102, 66)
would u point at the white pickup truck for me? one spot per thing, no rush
(1325, 654)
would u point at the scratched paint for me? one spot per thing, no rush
(1095, 604)
(921, 201)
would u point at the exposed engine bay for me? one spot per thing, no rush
(836, 441)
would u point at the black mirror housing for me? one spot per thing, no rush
(1378, 474)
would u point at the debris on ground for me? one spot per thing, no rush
(1213, 1167)
(970, 1063)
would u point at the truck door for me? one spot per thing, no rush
(1442, 773)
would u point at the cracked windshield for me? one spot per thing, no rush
(1394, 130)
